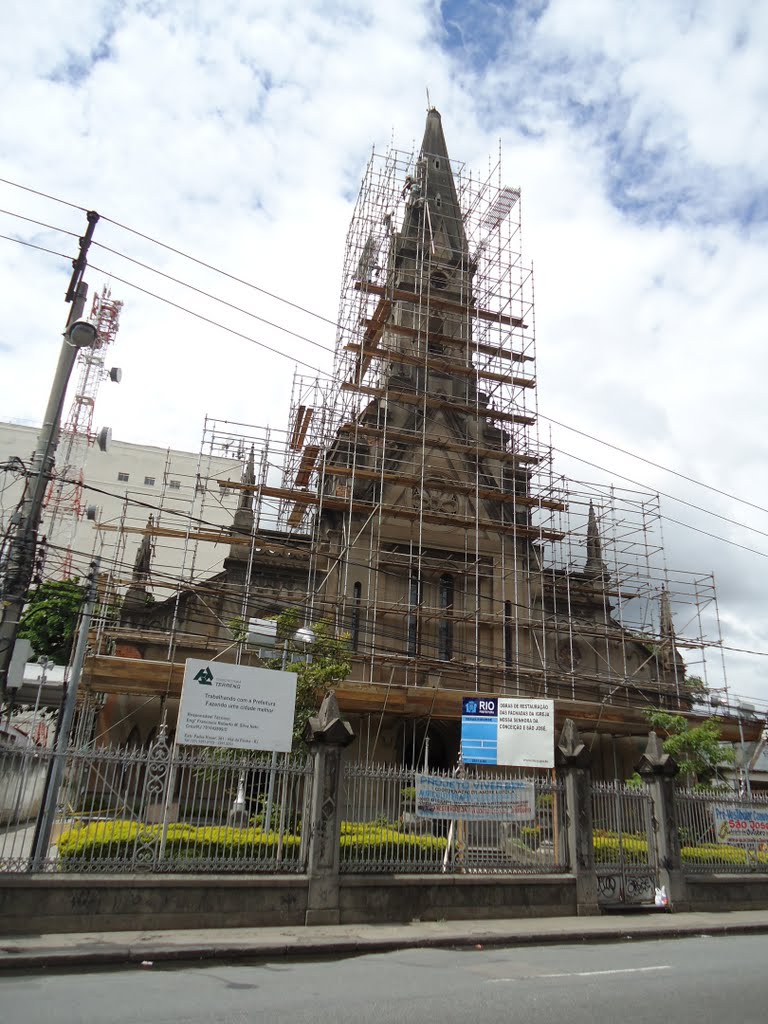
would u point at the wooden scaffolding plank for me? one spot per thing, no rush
(300, 426)
(469, 345)
(450, 486)
(308, 459)
(307, 499)
(433, 302)
(210, 536)
(439, 365)
(412, 437)
(412, 398)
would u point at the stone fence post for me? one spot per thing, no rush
(327, 734)
(573, 761)
(658, 770)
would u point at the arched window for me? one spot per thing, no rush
(414, 600)
(357, 592)
(445, 627)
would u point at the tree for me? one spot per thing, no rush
(324, 661)
(50, 618)
(696, 748)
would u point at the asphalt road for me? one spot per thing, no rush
(702, 980)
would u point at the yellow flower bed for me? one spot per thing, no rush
(117, 839)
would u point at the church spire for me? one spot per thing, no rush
(429, 271)
(137, 596)
(667, 648)
(433, 220)
(242, 524)
(594, 567)
(245, 504)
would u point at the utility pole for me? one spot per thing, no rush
(42, 838)
(23, 542)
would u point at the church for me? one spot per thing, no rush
(417, 511)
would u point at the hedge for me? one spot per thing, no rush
(370, 840)
(719, 853)
(609, 849)
(117, 840)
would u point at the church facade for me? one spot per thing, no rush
(420, 514)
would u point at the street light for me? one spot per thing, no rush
(81, 334)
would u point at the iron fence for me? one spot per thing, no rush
(722, 832)
(624, 840)
(381, 831)
(163, 809)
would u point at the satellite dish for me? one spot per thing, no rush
(104, 439)
(115, 374)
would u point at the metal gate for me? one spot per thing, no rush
(626, 860)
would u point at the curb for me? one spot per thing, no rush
(195, 952)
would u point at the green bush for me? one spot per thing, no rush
(635, 848)
(720, 853)
(531, 836)
(361, 840)
(118, 840)
(609, 848)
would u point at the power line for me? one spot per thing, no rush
(682, 501)
(223, 273)
(214, 298)
(210, 321)
(31, 245)
(656, 465)
(40, 223)
(326, 374)
(44, 195)
(326, 348)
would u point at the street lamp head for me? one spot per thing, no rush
(82, 334)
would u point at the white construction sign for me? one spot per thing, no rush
(236, 706)
(526, 734)
(508, 730)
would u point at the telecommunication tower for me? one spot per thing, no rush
(64, 505)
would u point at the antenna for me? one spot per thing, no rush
(429, 105)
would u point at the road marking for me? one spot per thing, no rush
(591, 974)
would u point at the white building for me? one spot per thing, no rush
(122, 488)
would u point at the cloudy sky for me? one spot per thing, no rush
(237, 133)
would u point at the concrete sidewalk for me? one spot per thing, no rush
(88, 949)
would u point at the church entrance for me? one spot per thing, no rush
(429, 745)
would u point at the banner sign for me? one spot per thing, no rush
(740, 824)
(474, 799)
(236, 706)
(508, 730)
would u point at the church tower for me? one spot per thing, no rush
(419, 511)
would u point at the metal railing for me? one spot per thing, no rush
(624, 842)
(162, 809)
(721, 832)
(381, 832)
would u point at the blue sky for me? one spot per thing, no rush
(239, 134)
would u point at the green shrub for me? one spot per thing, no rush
(118, 840)
(362, 840)
(531, 836)
(609, 848)
(720, 853)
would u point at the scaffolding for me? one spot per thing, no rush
(412, 504)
